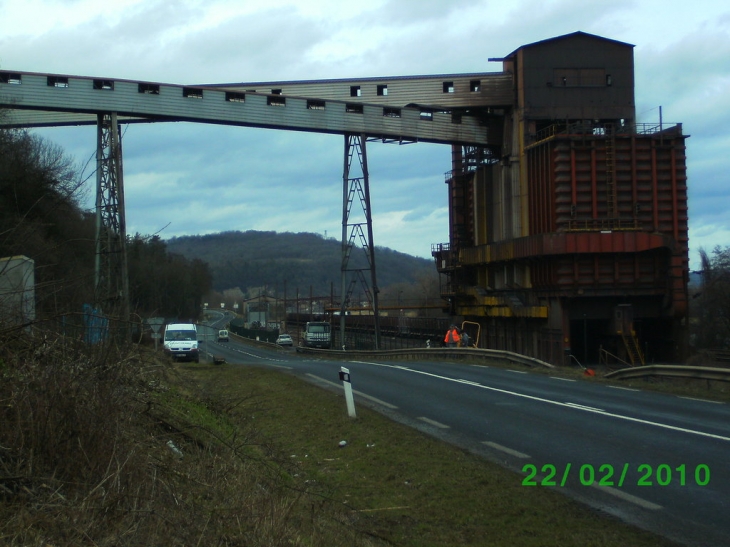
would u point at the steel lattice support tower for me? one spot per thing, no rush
(111, 279)
(360, 186)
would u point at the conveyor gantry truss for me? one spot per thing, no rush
(461, 109)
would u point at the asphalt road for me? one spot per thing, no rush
(656, 460)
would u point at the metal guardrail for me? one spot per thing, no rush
(457, 354)
(672, 371)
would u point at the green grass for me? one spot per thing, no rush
(392, 484)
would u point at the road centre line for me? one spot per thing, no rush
(563, 379)
(359, 393)
(517, 371)
(701, 400)
(263, 358)
(509, 451)
(624, 388)
(559, 403)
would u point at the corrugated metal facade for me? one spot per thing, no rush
(579, 219)
(41, 99)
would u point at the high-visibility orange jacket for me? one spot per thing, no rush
(452, 336)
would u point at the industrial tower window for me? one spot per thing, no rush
(351, 108)
(448, 87)
(475, 86)
(276, 100)
(391, 112)
(382, 90)
(355, 91)
(427, 115)
(313, 104)
(276, 91)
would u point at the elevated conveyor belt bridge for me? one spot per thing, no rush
(462, 109)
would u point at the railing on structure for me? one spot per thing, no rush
(603, 224)
(587, 129)
(672, 371)
(445, 256)
(603, 358)
(457, 354)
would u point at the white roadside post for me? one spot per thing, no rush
(345, 377)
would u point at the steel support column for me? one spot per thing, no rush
(111, 279)
(355, 145)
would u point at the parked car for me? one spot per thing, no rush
(284, 340)
(181, 342)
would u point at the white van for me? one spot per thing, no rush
(223, 335)
(181, 342)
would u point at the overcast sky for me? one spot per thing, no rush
(196, 179)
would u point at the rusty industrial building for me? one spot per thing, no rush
(568, 241)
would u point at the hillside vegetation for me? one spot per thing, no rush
(256, 259)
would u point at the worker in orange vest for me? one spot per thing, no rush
(452, 337)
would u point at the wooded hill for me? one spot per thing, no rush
(256, 259)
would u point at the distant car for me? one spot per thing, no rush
(284, 340)
(223, 336)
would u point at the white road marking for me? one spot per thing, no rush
(563, 379)
(624, 388)
(702, 400)
(507, 450)
(433, 422)
(627, 497)
(461, 381)
(257, 356)
(358, 393)
(583, 407)
(517, 371)
(570, 405)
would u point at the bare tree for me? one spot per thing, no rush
(713, 300)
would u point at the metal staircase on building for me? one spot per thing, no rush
(633, 351)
